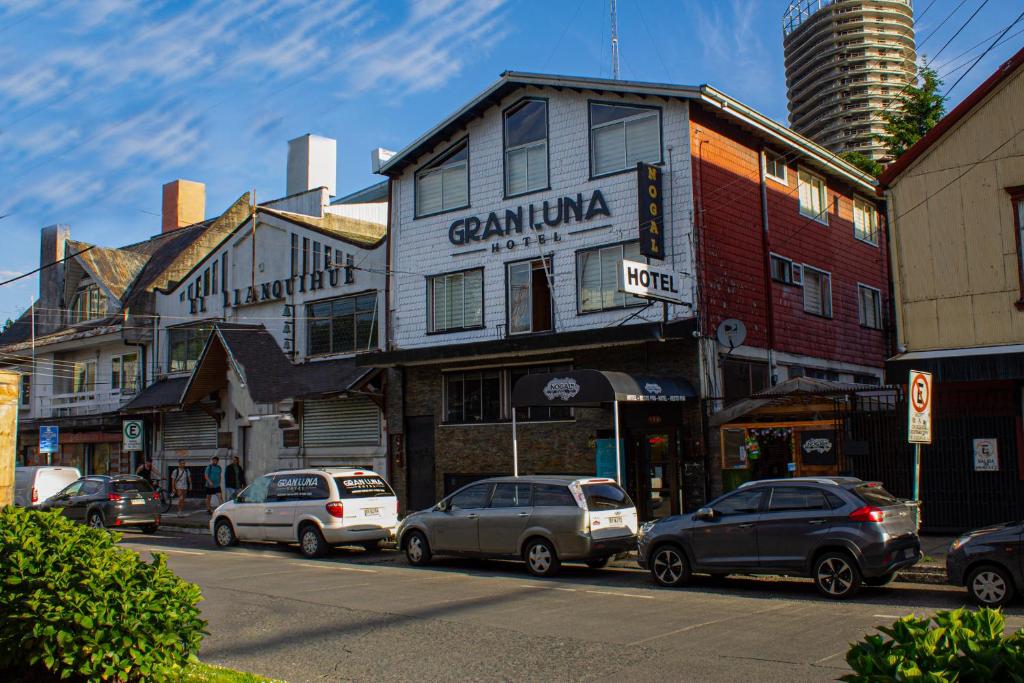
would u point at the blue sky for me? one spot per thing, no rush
(101, 102)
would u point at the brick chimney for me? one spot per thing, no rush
(184, 204)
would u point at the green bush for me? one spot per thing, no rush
(959, 645)
(75, 606)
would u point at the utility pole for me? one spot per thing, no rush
(615, 39)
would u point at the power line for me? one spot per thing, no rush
(43, 267)
(941, 23)
(987, 50)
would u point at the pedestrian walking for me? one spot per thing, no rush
(211, 479)
(234, 479)
(181, 481)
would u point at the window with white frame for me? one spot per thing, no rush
(785, 271)
(621, 135)
(865, 221)
(869, 306)
(456, 301)
(77, 377)
(530, 307)
(599, 277)
(813, 196)
(443, 185)
(526, 147)
(817, 292)
(26, 390)
(89, 303)
(124, 373)
(775, 166)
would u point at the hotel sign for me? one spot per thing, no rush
(651, 210)
(654, 282)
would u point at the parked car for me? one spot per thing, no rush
(543, 520)
(987, 561)
(316, 508)
(839, 531)
(33, 485)
(109, 501)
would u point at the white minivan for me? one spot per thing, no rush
(318, 508)
(33, 485)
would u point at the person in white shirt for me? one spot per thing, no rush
(181, 480)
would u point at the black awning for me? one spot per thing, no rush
(960, 365)
(595, 387)
(164, 393)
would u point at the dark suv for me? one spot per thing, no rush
(839, 531)
(987, 561)
(104, 501)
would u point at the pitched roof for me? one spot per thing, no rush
(116, 269)
(960, 111)
(351, 230)
(159, 394)
(378, 192)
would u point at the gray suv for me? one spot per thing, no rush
(839, 531)
(542, 520)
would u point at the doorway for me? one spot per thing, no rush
(419, 449)
(653, 474)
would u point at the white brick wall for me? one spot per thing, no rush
(421, 247)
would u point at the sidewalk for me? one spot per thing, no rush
(196, 519)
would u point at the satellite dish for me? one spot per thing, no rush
(731, 333)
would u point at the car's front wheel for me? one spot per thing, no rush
(837, 576)
(990, 586)
(669, 566)
(312, 542)
(224, 534)
(417, 549)
(541, 558)
(95, 520)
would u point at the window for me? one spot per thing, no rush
(785, 271)
(538, 413)
(552, 495)
(316, 257)
(185, 345)
(206, 282)
(26, 390)
(305, 255)
(740, 503)
(511, 496)
(741, 378)
(84, 377)
(1017, 196)
(473, 498)
(813, 196)
(817, 292)
(472, 396)
(256, 492)
(796, 498)
(869, 306)
(89, 303)
(362, 487)
(775, 167)
(865, 221)
(296, 254)
(599, 277)
(124, 373)
(289, 487)
(344, 325)
(456, 301)
(443, 185)
(213, 278)
(529, 297)
(620, 136)
(606, 497)
(526, 147)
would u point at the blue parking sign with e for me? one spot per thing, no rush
(49, 436)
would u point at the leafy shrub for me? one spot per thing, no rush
(75, 606)
(962, 646)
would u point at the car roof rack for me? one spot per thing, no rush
(831, 481)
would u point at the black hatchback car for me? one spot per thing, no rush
(839, 531)
(109, 501)
(988, 562)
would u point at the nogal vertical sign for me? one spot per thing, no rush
(650, 210)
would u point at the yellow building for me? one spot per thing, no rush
(956, 215)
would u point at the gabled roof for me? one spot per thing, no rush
(114, 269)
(378, 192)
(960, 111)
(160, 394)
(352, 230)
(705, 95)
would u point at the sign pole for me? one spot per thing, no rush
(618, 454)
(515, 446)
(917, 471)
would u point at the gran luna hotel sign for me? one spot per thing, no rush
(511, 227)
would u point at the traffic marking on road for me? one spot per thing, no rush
(325, 565)
(622, 595)
(691, 627)
(174, 550)
(886, 616)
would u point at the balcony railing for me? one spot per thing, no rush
(82, 403)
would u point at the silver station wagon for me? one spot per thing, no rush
(543, 520)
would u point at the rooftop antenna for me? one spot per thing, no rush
(615, 39)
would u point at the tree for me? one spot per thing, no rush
(7, 325)
(863, 162)
(916, 110)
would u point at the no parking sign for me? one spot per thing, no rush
(919, 407)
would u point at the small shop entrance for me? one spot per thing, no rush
(652, 475)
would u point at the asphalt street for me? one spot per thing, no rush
(368, 616)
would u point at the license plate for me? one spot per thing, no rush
(615, 520)
(138, 501)
(371, 512)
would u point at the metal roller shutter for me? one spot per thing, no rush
(353, 421)
(191, 429)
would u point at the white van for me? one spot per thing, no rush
(33, 485)
(318, 508)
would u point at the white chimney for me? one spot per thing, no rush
(379, 157)
(312, 163)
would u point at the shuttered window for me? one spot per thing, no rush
(865, 221)
(817, 292)
(456, 301)
(869, 306)
(191, 429)
(598, 275)
(352, 421)
(444, 184)
(813, 196)
(526, 147)
(620, 136)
